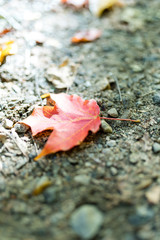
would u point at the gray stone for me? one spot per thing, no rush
(112, 112)
(50, 195)
(109, 104)
(136, 68)
(106, 127)
(20, 128)
(86, 221)
(114, 171)
(156, 147)
(142, 215)
(109, 164)
(103, 85)
(111, 143)
(156, 99)
(134, 157)
(83, 179)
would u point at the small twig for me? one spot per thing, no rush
(35, 145)
(148, 93)
(67, 90)
(2, 148)
(20, 144)
(122, 119)
(10, 20)
(117, 84)
(37, 75)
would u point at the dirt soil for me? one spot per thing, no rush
(108, 188)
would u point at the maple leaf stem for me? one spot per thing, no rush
(121, 119)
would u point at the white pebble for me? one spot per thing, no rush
(7, 124)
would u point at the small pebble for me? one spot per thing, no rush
(82, 179)
(2, 115)
(106, 127)
(108, 164)
(103, 85)
(8, 124)
(156, 147)
(113, 112)
(142, 216)
(134, 157)
(114, 171)
(86, 221)
(136, 68)
(109, 104)
(20, 128)
(139, 103)
(156, 99)
(50, 195)
(111, 143)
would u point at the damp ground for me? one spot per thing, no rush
(109, 186)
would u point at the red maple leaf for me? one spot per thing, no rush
(71, 118)
(5, 31)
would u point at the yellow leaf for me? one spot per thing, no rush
(98, 6)
(5, 50)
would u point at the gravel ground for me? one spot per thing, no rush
(108, 188)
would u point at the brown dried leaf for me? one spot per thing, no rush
(62, 76)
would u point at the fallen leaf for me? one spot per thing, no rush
(5, 31)
(153, 195)
(5, 50)
(64, 63)
(86, 36)
(75, 3)
(41, 185)
(70, 117)
(97, 7)
(62, 76)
